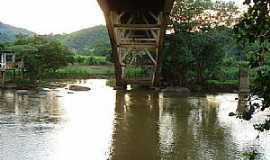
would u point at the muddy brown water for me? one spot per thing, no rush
(103, 124)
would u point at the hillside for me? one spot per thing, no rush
(94, 39)
(8, 33)
(86, 41)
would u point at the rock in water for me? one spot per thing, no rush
(78, 88)
(23, 92)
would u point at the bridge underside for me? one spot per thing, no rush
(136, 30)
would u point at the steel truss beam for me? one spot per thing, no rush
(137, 39)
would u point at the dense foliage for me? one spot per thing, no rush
(41, 55)
(202, 46)
(254, 33)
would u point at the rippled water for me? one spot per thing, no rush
(105, 124)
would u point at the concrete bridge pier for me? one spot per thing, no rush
(244, 91)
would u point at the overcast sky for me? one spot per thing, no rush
(52, 16)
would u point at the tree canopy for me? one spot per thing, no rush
(253, 32)
(41, 55)
(201, 43)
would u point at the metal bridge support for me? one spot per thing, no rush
(137, 38)
(137, 45)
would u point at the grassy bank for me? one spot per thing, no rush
(222, 86)
(82, 72)
(79, 71)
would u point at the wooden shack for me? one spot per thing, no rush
(136, 30)
(8, 62)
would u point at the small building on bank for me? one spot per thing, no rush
(7, 60)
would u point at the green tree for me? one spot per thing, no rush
(208, 55)
(2, 46)
(102, 49)
(198, 15)
(185, 12)
(253, 30)
(41, 55)
(200, 41)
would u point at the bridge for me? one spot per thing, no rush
(137, 29)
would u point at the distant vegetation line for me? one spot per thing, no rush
(89, 41)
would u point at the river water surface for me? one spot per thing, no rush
(106, 124)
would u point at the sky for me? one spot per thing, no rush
(53, 16)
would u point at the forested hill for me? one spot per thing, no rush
(90, 40)
(86, 40)
(8, 33)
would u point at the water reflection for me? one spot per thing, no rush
(105, 124)
(135, 134)
(27, 124)
(29, 106)
(150, 126)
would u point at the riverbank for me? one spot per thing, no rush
(77, 71)
(61, 76)
(222, 86)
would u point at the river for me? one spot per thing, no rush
(104, 124)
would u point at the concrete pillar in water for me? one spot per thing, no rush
(243, 89)
(2, 76)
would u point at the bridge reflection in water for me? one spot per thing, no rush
(153, 126)
(106, 124)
